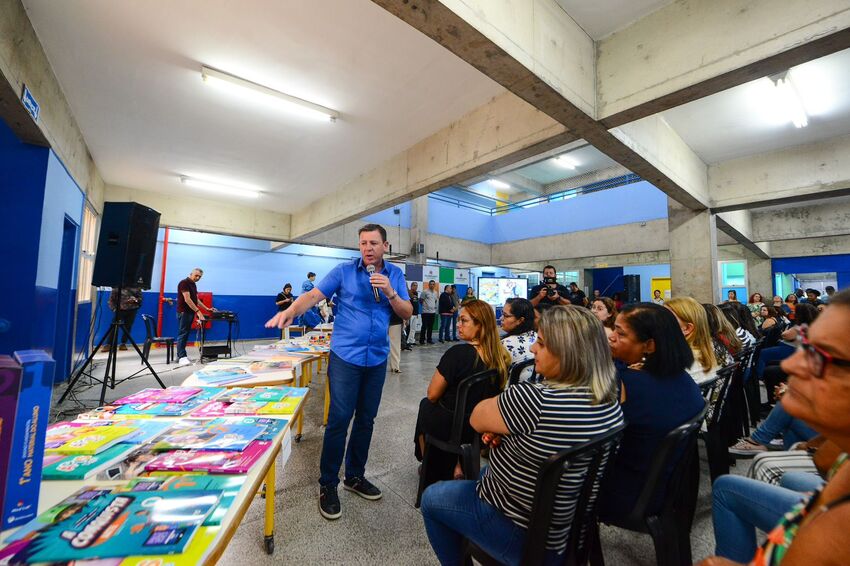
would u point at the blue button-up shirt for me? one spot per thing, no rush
(361, 325)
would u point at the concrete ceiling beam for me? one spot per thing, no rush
(499, 133)
(795, 174)
(738, 224)
(814, 220)
(691, 49)
(521, 182)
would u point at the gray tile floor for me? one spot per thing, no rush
(389, 531)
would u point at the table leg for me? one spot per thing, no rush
(327, 399)
(268, 530)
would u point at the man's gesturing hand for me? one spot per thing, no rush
(280, 320)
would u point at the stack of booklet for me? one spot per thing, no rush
(253, 401)
(243, 367)
(146, 521)
(147, 403)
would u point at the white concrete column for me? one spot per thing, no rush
(760, 277)
(693, 253)
(419, 229)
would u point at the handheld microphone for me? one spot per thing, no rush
(371, 270)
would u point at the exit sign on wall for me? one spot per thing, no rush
(30, 103)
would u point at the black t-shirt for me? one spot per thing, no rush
(562, 292)
(281, 296)
(414, 300)
(458, 363)
(577, 298)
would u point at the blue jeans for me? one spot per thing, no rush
(454, 325)
(773, 354)
(184, 327)
(355, 392)
(804, 482)
(780, 423)
(453, 512)
(445, 326)
(741, 505)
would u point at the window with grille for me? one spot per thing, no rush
(88, 248)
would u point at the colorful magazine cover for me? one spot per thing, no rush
(273, 426)
(86, 465)
(209, 461)
(85, 440)
(205, 436)
(153, 395)
(254, 394)
(286, 407)
(115, 525)
(142, 410)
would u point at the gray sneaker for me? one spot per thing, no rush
(747, 447)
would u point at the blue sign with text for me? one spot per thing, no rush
(30, 103)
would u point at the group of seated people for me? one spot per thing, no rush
(597, 368)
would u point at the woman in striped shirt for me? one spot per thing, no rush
(526, 424)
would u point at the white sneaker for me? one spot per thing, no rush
(184, 361)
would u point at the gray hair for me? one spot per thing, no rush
(199, 270)
(579, 341)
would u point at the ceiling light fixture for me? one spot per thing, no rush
(499, 184)
(214, 76)
(565, 161)
(219, 187)
(789, 100)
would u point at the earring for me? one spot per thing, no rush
(643, 358)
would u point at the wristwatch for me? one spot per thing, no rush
(393, 297)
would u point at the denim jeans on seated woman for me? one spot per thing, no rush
(773, 354)
(453, 512)
(780, 423)
(740, 506)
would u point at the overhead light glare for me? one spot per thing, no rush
(219, 187)
(499, 184)
(566, 161)
(789, 100)
(305, 107)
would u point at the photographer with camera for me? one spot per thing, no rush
(549, 292)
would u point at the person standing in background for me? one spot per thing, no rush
(395, 342)
(470, 296)
(125, 309)
(188, 305)
(656, 297)
(284, 298)
(456, 302)
(415, 322)
(446, 310)
(308, 285)
(428, 301)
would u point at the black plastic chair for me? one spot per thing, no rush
(752, 386)
(670, 528)
(151, 338)
(722, 420)
(470, 392)
(595, 456)
(516, 371)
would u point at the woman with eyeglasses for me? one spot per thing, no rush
(481, 350)
(802, 529)
(518, 323)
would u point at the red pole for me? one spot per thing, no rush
(162, 284)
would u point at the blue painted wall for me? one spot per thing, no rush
(637, 202)
(388, 219)
(647, 272)
(608, 280)
(839, 263)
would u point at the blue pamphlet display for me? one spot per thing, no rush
(10, 386)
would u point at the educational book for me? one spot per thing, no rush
(153, 395)
(132, 466)
(147, 430)
(273, 426)
(84, 466)
(228, 485)
(66, 439)
(195, 553)
(209, 461)
(205, 436)
(254, 394)
(213, 373)
(142, 410)
(10, 387)
(285, 407)
(266, 366)
(115, 525)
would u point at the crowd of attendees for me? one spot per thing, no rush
(598, 364)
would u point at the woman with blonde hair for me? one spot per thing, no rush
(481, 350)
(524, 426)
(694, 324)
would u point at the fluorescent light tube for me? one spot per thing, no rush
(789, 100)
(567, 162)
(219, 187)
(499, 184)
(305, 107)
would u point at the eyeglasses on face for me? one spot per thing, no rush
(817, 358)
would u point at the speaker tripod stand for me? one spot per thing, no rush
(111, 337)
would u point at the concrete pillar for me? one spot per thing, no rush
(419, 229)
(693, 253)
(760, 277)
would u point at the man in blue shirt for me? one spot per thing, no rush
(358, 359)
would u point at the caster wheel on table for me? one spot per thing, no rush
(297, 438)
(269, 544)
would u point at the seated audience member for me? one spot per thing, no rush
(539, 309)
(805, 314)
(812, 458)
(790, 305)
(605, 310)
(656, 297)
(830, 291)
(732, 296)
(744, 335)
(814, 530)
(518, 322)
(524, 425)
(694, 325)
(778, 424)
(657, 395)
(813, 297)
(725, 340)
(771, 317)
(755, 304)
(618, 301)
(778, 303)
(482, 350)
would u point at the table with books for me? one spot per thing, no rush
(163, 476)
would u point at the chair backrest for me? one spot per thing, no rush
(772, 335)
(680, 492)
(516, 370)
(469, 392)
(149, 326)
(721, 394)
(595, 456)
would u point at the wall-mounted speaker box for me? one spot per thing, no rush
(127, 245)
(631, 284)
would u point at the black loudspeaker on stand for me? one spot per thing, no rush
(125, 254)
(631, 285)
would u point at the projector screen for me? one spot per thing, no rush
(497, 290)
